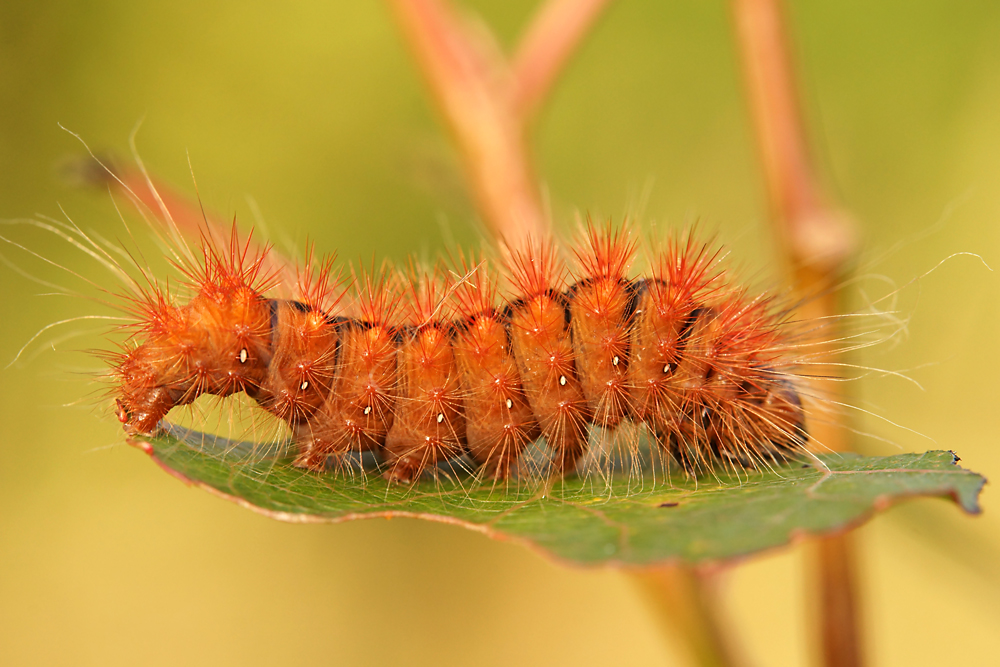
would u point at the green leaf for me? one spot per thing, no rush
(591, 520)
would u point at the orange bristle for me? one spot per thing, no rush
(535, 268)
(318, 284)
(235, 268)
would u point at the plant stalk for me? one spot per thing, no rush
(818, 240)
(687, 603)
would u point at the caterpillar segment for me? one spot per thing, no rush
(359, 410)
(358, 413)
(543, 349)
(444, 368)
(601, 308)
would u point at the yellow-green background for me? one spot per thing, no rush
(317, 112)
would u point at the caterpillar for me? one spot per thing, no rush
(424, 366)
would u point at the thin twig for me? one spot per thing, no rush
(813, 232)
(836, 584)
(818, 240)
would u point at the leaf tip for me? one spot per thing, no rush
(966, 496)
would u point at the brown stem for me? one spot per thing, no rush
(687, 603)
(812, 231)
(840, 629)
(818, 240)
(553, 35)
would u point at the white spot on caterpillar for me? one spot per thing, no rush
(243, 356)
(304, 386)
(510, 404)
(666, 368)
(368, 410)
(440, 417)
(614, 362)
(562, 380)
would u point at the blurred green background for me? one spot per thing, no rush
(317, 112)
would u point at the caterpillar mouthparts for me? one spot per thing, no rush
(423, 368)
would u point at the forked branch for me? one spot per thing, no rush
(488, 102)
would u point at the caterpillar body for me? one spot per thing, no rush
(423, 368)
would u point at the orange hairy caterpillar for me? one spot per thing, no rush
(424, 368)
